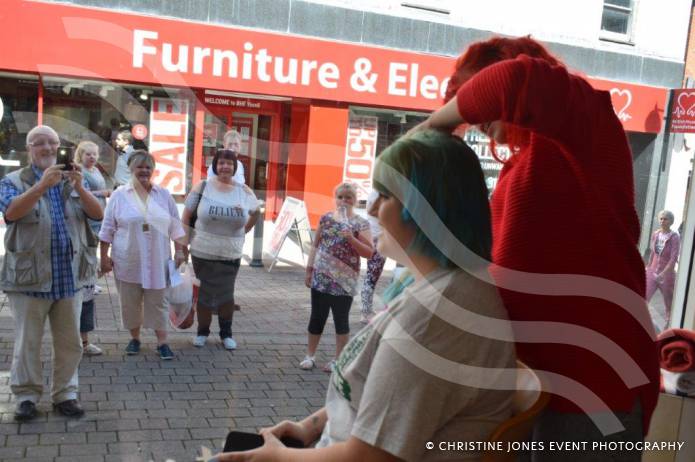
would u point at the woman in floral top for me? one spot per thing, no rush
(334, 267)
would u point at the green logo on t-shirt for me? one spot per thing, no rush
(350, 352)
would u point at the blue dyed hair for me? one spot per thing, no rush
(438, 170)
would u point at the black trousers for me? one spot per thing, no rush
(321, 304)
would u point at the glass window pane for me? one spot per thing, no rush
(615, 21)
(667, 244)
(19, 102)
(623, 3)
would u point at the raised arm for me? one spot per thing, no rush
(362, 243)
(526, 92)
(25, 202)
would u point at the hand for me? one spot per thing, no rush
(291, 429)
(51, 176)
(307, 278)
(346, 234)
(269, 452)
(179, 259)
(106, 265)
(75, 177)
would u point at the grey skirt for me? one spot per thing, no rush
(217, 279)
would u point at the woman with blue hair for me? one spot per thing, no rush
(428, 368)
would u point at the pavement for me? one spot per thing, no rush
(139, 408)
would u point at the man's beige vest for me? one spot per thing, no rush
(27, 263)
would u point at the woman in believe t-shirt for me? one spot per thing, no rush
(226, 211)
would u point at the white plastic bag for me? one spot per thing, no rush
(180, 298)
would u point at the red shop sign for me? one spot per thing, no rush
(639, 108)
(683, 111)
(88, 43)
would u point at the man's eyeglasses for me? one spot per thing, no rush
(51, 143)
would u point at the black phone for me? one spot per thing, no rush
(65, 158)
(242, 441)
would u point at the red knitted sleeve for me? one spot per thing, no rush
(530, 93)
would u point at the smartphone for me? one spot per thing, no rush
(242, 441)
(65, 158)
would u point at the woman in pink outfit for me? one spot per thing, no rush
(661, 273)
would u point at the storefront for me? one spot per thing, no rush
(90, 73)
(311, 112)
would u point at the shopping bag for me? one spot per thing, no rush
(180, 298)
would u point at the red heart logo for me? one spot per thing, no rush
(621, 101)
(686, 105)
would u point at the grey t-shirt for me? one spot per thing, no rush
(422, 372)
(222, 215)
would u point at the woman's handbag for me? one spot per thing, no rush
(194, 212)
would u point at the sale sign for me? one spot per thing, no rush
(360, 153)
(169, 143)
(683, 111)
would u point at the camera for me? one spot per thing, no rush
(65, 158)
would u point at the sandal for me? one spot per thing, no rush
(307, 363)
(330, 366)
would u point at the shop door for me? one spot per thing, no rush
(261, 154)
(247, 126)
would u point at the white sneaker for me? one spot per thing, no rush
(98, 289)
(307, 363)
(199, 340)
(229, 343)
(92, 350)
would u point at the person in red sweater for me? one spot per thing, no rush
(575, 294)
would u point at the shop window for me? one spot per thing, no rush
(669, 290)
(490, 162)
(616, 20)
(389, 124)
(18, 115)
(97, 111)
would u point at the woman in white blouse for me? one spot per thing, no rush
(139, 224)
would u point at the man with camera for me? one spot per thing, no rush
(46, 207)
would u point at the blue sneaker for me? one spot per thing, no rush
(133, 347)
(165, 352)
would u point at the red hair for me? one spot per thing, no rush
(482, 54)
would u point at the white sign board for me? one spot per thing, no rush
(360, 153)
(292, 213)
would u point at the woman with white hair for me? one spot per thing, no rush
(140, 222)
(661, 274)
(86, 156)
